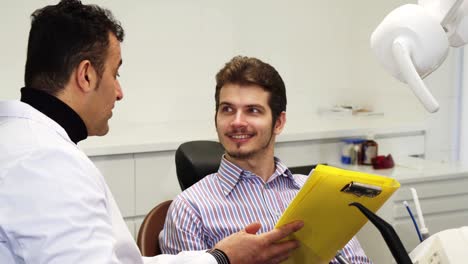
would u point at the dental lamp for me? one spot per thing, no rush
(413, 40)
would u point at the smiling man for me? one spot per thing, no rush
(251, 185)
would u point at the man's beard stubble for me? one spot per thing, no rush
(247, 155)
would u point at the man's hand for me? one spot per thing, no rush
(247, 247)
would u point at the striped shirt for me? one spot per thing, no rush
(225, 202)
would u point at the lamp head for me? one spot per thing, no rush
(410, 44)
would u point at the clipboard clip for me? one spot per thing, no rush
(362, 189)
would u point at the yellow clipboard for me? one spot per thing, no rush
(323, 205)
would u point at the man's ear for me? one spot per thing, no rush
(85, 76)
(279, 124)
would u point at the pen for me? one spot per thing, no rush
(341, 259)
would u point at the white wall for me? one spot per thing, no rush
(174, 48)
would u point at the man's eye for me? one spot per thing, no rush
(254, 110)
(226, 109)
(117, 75)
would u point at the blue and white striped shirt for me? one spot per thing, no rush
(225, 202)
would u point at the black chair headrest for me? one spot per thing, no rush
(196, 159)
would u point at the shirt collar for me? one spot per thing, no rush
(56, 110)
(230, 174)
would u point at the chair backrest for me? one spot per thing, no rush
(147, 240)
(196, 159)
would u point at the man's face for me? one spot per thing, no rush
(244, 121)
(108, 91)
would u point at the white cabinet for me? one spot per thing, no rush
(119, 172)
(156, 179)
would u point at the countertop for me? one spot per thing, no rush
(409, 170)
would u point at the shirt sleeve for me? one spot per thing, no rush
(354, 253)
(58, 210)
(183, 229)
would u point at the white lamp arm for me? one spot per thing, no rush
(408, 71)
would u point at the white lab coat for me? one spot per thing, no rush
(55, 206)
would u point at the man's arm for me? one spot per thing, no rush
(183, 229)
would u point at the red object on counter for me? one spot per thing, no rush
(383, 162)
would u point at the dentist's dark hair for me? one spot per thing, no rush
(64, 35)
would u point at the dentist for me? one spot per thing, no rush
(55, 206)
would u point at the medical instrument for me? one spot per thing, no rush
(388, 233)
(423, 229)
(405, 203)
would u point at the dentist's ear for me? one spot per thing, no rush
(84, 75)
(411, 44)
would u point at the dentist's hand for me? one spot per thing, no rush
(247, 247)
